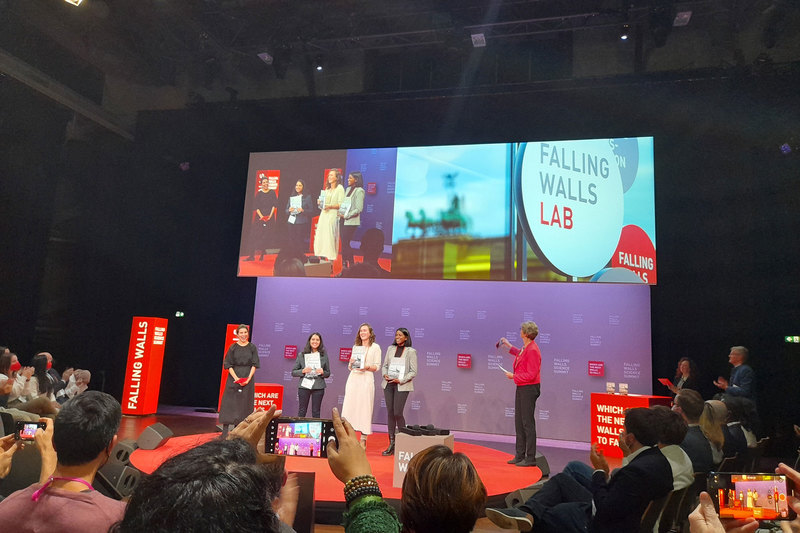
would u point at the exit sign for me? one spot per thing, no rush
(794, 339)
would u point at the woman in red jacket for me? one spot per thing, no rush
(527, 366)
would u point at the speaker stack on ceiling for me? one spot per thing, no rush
(118, 477)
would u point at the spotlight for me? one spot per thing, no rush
(318, 64)
(265, 57)
(625, 32)
(786, 149)
(74, 2)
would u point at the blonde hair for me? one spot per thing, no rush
(715, 413)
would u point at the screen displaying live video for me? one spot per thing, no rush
(299, 438)
(584, 210)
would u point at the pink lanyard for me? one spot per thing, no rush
(36, 495)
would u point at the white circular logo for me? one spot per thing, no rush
(570, 203)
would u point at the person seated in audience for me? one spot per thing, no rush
(78, 382)
(218, 486)
(37, 395)
(224, 485)
(713, 418)
(442, 492)
(59, 381)
(742, 421)
(735, 438)
(612, 504)
(371, 250)
(672, 431)
(689, 404)
(704, 518)
(11, 387)
(73, 447)
(367, 512)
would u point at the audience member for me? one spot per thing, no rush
(714, 416)
(12, 385)
(610, 504)
(738, 430)
(73, 448)
(672, 431)
(442, 493)
(742, 380)
(371, 250)
(59, 381)
(78, 382)
(689, 404)
(37, 395)
(367, 512)
(218, 486)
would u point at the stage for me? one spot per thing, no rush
(488, 453)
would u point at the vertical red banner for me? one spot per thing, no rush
(230, 338)
(145, 361)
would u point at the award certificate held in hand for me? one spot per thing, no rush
(358, 356)
(397, 369)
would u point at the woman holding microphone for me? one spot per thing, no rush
(527, 367)
(399, 369)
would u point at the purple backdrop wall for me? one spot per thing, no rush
(578, 323)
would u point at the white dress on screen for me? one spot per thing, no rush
(359, 393)
(326, 237)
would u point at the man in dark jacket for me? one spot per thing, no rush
(610, 503)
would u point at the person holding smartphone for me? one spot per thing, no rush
(399, 369)
(241, 362)
(359, 392)
(312, 367)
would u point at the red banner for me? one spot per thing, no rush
(145, 361)
(268, 394)
(608, 417)
(230, 338)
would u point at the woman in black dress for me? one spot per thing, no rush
(241, 362)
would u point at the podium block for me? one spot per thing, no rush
(608, 417)
(406, 446)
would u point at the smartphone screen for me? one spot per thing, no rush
(27, 430)
(761, 496)
(298, 436)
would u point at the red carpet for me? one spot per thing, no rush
(500, 478)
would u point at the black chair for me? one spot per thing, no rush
(678, 520)
(751, 461)
(730, 464)
(8, 423)
(651, 514)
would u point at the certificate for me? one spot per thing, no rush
(307, 383)
(344, 207)
(295, 202)
(358, 357)
(312, 360)
(397, 368)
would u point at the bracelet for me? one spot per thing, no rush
(361, 486)
(360, 480)
(355, 494)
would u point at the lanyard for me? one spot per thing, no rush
(36, 495)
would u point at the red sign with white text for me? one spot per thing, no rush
(636, 252)
(345, 354)
(608, 417)
(290, 351)
(230, 338)
(145, 361)
(268, 394)
(597, 368)
(464, 360)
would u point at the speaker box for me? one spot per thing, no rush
(122, 451)
(520, 496)
(117, 480)
(543, 465)
(154, 436)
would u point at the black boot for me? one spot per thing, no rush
(390, 449)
